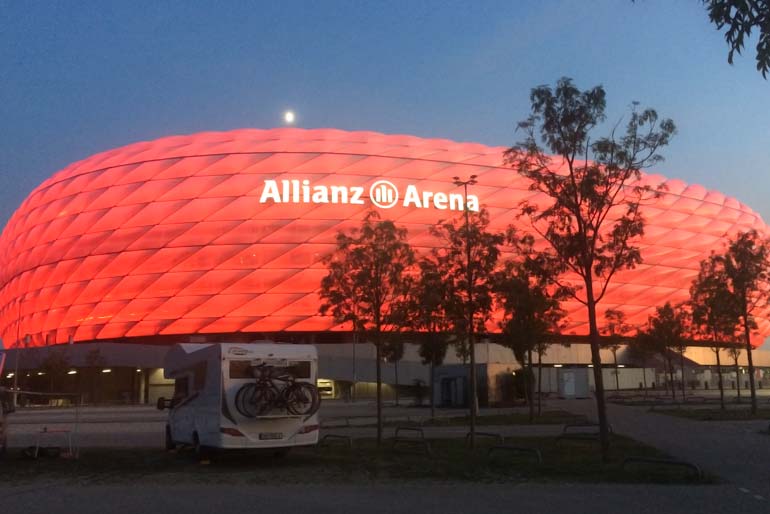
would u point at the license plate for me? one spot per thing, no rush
(267, 436)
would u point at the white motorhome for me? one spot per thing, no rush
(234, 395)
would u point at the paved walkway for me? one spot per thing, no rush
(735, 450)
(143, 426)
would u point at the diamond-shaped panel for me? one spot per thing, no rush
(170, 237)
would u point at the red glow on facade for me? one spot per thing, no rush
(170, 237)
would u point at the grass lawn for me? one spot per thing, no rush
(564, 461)
(547, 417)
(716, 414)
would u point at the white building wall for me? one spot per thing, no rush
(628, 378)
(355, 363)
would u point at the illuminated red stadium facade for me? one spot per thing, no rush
(224, 232)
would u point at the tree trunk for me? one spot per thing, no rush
(473, 396)
(396, 386)
(378, 358)
(681, 364)
(721, 384)
(539, 383)
(432, 394)
(92, 384)
(671, 377)
(530, 389)
(737, 378)
(355, 370)
(471, 318)
(596, 360)
(752, 385)
(617, 377)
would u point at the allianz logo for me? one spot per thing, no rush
(382, 194)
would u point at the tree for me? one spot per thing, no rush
(428, 316)
(367, 285)
(94, 361)
(592, 218)
(714, 311)
(746, 270)
(640, 349)
(735, 353)
(527, 292)
(741, 17)
(681, 348)
(666, 333)
(432, 352)
(467, 260)
(615, 328)
(393, 351)
(55, 365)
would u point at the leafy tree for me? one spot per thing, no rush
(428, 316)
(615, 328)
(462, 349)
(94, 361)
(432, 353)
(55, 365)
(467, 260)
(714, 311)
(681, 346)
(592, 218)
(527, 292)
(746, 270)
(640, 349)
(393, 351)
(666, 333)
(735, 353)
(741, 17)
(367, 285)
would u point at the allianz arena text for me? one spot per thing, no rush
(225, 232)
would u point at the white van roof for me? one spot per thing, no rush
(180, 355)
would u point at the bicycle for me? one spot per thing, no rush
(259, 398)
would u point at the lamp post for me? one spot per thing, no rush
(469, 279)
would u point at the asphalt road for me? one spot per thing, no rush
(412, 498)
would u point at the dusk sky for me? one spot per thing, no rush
(80, 78)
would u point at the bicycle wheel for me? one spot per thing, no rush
(242, 401)
(302, 399)
(261, 400)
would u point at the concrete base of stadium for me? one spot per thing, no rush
(120, 373)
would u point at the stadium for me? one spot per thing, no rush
(220, 236)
